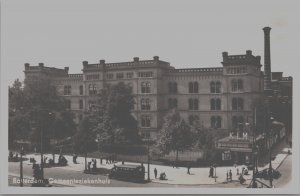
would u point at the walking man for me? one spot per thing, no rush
(188, 169)
(230, 175)
(155, 172)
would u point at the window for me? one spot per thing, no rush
(215, 87)
(67, 90)
(146, 122)
(120, 75)
(172, 86)
(92, 89)
(81, 89)
(145, 135)
(236, 121)
(145, 104)
(91, 104)
(80, 104)
(146, 74)
(193, 119)
(145, 87)
(215, 104)
(110, 76)
(237, 85)
(237, 104)
(193, 87)
(129, 74)
(93, 77)
(68, 104)
(215, 122)
(172, 103)
(193, 104)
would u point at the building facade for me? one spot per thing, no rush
(219, 97)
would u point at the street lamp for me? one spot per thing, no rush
(270, 154)
(148, 153)
(21, 166)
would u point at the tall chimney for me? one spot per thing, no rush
(267, 66)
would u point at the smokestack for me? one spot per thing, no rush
(267, 66)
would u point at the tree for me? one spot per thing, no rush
(174, 135)
(35, 108)
(112, 115)
(84, 139)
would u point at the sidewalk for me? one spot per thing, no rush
(177, 176)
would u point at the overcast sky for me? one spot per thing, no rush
(185, 33)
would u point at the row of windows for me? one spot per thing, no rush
(93, 77)
(236, 70)
(68, 90)
(215, 104)
(121, 75)
(215, 86)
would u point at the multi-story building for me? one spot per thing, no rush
(220, 97)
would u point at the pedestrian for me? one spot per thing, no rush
(227, 176)
(243, 169)
(230, 175)
(188, 169)
(210, 171)
(101, 159)
(123, 162)
(106, 160)
(155, 173)
(237, 171)
(89, 166)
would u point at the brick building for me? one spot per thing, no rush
(220, 97)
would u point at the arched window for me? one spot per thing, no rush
(145, 87)
(234, 86)
(218, 87)
(80, 104)
(145, 104)
(81, 89)
(215, 104)
(212, 104)
(67, 90)
(193, 87)
(92, 89)
(237, 104)
(172, 86)
(215, 87)
(240, 85)
(193, 104)
(145, 121)
(216, 122)
(237, 85)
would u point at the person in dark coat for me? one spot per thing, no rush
(188, 169)
(89, 166)
(211, 171)
(155, 172)
(230, 175)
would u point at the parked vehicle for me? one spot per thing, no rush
(135, 173)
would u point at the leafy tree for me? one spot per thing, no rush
(36, 108)
(112, 115)
(174, 135)
(84, 139)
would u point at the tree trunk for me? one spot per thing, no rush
(176, 157)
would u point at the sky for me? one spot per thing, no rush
(187, 34)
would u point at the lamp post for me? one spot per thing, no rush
(270, 153)
(148, 156)
(21, 166)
